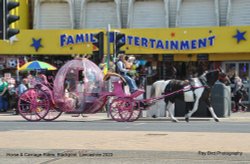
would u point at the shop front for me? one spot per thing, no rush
(190, 50)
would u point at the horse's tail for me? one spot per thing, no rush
(152, 92)
(157, 87)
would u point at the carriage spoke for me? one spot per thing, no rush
(115, 108)
(121, 109)
(33, 105)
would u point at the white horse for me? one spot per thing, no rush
(193, 90)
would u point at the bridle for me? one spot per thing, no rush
(223, 77)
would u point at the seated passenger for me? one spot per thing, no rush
(121, 69)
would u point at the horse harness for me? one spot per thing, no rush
(196, 83)
(188, 86)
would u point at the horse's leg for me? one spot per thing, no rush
(198, 94)
(190, 113)
(206, 99)
(211, 109)
(170, 107)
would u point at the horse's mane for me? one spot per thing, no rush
(210, 77)
(203, 76)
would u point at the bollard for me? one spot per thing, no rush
(221, 100)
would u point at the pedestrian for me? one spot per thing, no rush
(21, 88)
(4, 94)
(239, 94)
(41, 77)
(170, 71)
(31, 79)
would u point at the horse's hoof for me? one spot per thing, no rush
(186, 119)
(217, 120)
(175, 121)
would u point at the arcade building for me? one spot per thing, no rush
(193, 36)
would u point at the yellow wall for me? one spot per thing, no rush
(224, 42)
(23, 12)
(222, 46)
(229, 57)
(50, 43)
(212, 57)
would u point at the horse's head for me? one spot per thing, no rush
(224, 78)
(217, 74)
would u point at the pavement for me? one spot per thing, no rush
(126, 144)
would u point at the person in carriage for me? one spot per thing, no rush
(123, 71)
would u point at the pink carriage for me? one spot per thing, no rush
(80, 88)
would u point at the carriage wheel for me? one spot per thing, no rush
(53, 114)
(33, 104)
(136, 112)
(114, 110)
(121, 109)
(127, 108)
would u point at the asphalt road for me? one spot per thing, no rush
(108, 125)
(197, 126)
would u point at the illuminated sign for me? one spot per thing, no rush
(212, 40)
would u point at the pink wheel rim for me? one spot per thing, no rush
(33, 104)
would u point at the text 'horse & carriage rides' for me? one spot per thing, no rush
(79, 87)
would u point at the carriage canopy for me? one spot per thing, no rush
(77, 83)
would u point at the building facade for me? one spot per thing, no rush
(195, 35)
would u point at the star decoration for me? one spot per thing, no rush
(240, 36)
(36, 43)
(94, 48)
(172, 34)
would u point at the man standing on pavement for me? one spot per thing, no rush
(21, 88)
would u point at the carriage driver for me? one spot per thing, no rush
(121, 69)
